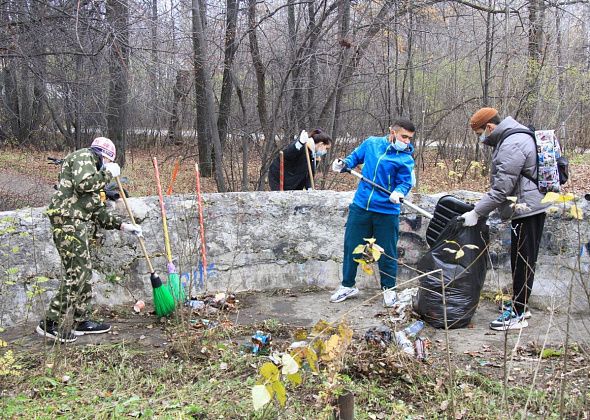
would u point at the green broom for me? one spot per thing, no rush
(173, 277)
(163, 300)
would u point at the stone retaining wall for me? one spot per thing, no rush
(260, 240)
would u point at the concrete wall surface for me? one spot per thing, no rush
(262, 240)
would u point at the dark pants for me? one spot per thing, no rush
(368, 224)
(525, 240)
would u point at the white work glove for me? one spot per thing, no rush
(131, 228)
(395, 197)
(304, 139)
(113, 168)
(338, 165)
(470, 218)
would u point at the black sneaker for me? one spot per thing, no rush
(91, 327)
(51, 329)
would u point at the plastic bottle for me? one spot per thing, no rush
(403, 342)
(414, 329)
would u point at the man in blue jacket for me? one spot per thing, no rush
(386, 161)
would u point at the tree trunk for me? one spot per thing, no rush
(180, 92)
(207, 115)
(203, 130)
(261, 90)
(344, 21)
(118, 17)
(313, 65)
(226, 84)
(534, 63)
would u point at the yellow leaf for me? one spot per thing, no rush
(260, 396)
(312, 360)
(512, 198)
(471, 246)
(452, 251)
(280, 392)
(563, 198)
(376, 254)
(366, 268)
(322, 327)
(295, 378)
(300, 334)
(332, 348)
(3, 343)
(577, 213)
(550, 197)
(359, 249)
(290, 366)
(369, 240)
(460, 253)
(270, 372)
(345, 332)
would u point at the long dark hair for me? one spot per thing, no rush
(319, 136)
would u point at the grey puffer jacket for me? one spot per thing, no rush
(517, 155)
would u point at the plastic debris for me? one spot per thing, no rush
(196, 304)
(261, 342)
(379, 336)
(139, 305)
(298, 344)
(404, 343)
(403, 308)
(413, 329)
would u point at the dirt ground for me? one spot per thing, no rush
(293, 308)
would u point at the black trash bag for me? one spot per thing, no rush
(463, 277)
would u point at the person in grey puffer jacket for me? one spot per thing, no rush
(514, 161)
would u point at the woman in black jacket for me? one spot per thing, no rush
(296, 170)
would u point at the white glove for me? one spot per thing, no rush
(470, 218)
(113, 168)
(304, 139)
(395, 197)
(338, 165)
(131, 228)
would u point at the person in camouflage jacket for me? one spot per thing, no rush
(75, 209)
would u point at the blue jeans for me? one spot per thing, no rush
(368, 224)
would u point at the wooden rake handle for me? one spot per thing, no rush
(141, 243)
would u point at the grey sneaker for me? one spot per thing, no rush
(343, 293)
(389, 298)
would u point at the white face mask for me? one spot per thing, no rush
(321, 153)
(399, 145)
(483, 135)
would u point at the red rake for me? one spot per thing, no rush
(201, 226)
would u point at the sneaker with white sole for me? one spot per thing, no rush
(389, 298)
(343, 293)
(507, 305)
(509, 320)
(52, 330)
(91, 327)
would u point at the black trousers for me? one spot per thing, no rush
(525, 240)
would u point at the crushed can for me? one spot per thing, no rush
(261, 342)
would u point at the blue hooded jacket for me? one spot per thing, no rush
(385, 166)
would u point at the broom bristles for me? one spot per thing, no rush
(163, 301)
(176, 288)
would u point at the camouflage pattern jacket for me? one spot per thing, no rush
(78, 192)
